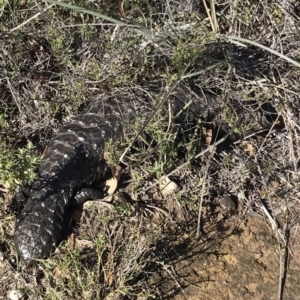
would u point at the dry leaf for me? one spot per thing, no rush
(121, 7)
(112, 183)
(57, 272)
(72, 241)
(45, 150)
(250, 149)
(262, 193)
(110, 279)
(106, 155)
(208, 135)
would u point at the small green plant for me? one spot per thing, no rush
(123, 209)
(17, 166)
(109, 269)
(227, 160)
(278, 16)
(268, 168)
(3, 120)
(114, 151)
(166, 147)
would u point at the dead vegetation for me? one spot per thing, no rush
(54, 60)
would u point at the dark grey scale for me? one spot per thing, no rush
(73, 164)
(88, 194)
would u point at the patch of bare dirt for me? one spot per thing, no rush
(236, 260)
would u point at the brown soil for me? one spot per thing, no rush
(239, 261)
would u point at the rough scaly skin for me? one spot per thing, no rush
(74, 160)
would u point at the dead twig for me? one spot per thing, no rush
(283, 261)
(31, 18)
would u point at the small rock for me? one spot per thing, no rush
(14, 295)
(168, 187)
(84, 245)
(226, 202)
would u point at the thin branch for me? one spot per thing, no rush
(235, 38)
(201, 198)
(31, 18)
(209, 16)
(283, 261)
